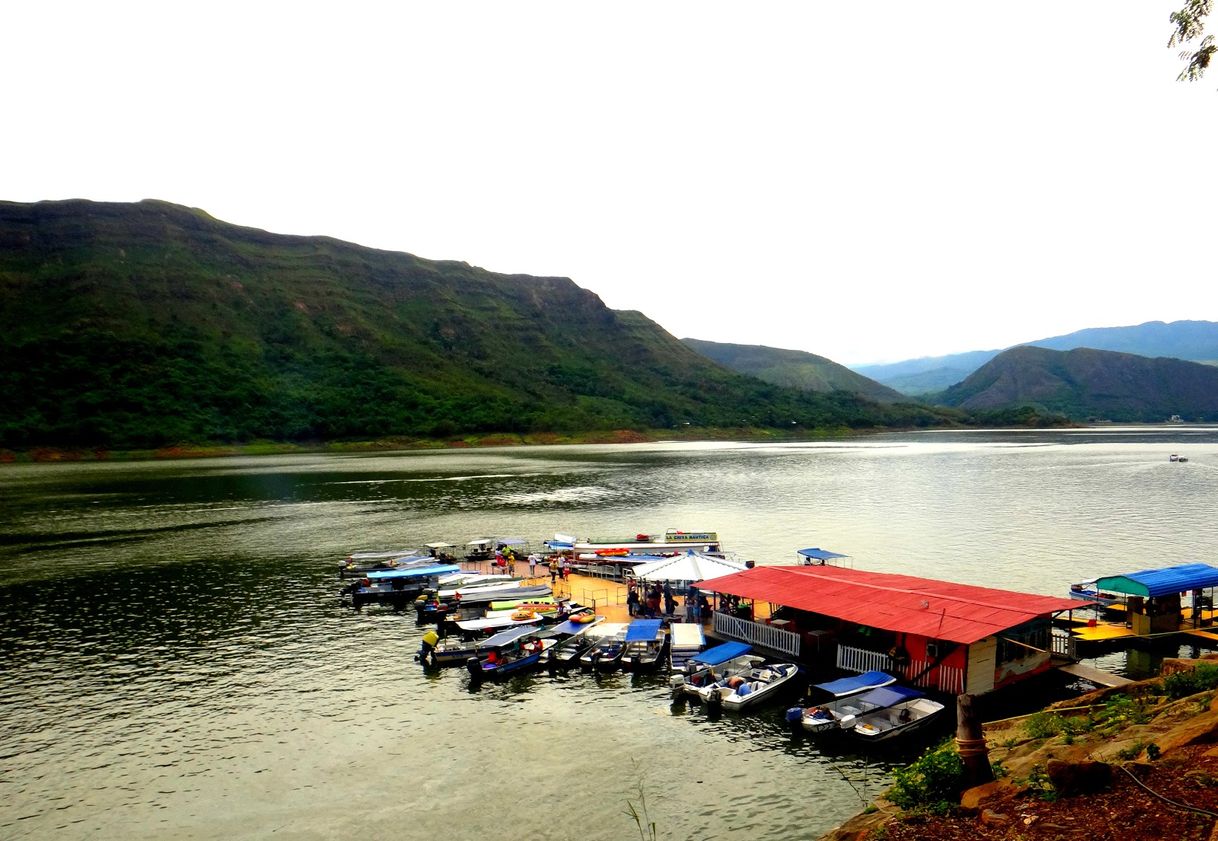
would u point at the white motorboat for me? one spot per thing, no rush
(852, 697)
(715, 665)
(897, 720)
(751, 689)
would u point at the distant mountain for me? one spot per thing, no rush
(134, 325)
(1090, 384)
(1195, 341)
(793, 369)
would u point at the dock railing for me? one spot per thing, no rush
(756, 633)
(861, 660)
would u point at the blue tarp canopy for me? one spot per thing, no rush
(413, 572)
(643, 630)
(819, 554)
(1152, 583)
(722, 653)
(570, 626)
(505, 637)
(889, 695)
(856, 683)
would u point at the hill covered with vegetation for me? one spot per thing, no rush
(794, 369)
(1091, 384)
(1193, 341)
(136, 325)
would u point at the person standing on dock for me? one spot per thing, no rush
(533, 565)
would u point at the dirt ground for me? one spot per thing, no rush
(1187, 775)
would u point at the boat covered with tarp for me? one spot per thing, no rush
(842, 713)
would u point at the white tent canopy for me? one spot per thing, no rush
(690, 566)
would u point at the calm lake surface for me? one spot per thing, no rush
(176, 663)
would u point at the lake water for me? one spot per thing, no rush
(176, 663)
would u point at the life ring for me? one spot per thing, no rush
(521, 615)
(583, 618)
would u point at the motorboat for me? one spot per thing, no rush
(1176, 457)
(645, 645)
(512, 652)
(357, 564)
(896, 720)
(715, 664)
(397, 587)
(1087, 591)
(572, 638)
(608, 646)
(850, 697)
(753, 688)
(498, 620)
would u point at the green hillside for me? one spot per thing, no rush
(134, 325)
(1096, 384)
(793, 369)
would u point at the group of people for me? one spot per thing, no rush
(647, 603)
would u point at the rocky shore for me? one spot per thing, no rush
(1136, 761)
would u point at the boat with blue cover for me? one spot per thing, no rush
(715, 664)
(573, 637)
(844, 699)
(645, 645)
(511, 652)
(841, 716)
(397, 587)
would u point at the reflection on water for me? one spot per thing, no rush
(177, 664)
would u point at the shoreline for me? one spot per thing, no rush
(50, 454)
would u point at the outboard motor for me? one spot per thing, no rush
(795, 717)
(474, 666)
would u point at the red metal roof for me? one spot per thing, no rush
(902, 603)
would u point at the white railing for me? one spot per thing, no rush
(949, 679)
(861, 660)
(756, 633)
(1063, 644)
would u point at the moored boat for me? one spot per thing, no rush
(572, 638)
(716, 664)
(896, 721)
(850, 697)
(749, 690)
(610, 638)
(645, 645)
(512, 652)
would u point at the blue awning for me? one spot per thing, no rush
(722, 653)
(511, 635)
(1152, 583)
(856, 683)
(889, 695)
(413, 572)
(643, 630)
(820, 554)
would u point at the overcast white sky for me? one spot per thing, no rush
(866, 181)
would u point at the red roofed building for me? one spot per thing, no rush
(955, 638)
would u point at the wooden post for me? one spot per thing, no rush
(970, 742)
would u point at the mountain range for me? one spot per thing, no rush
(1088, 384)
(1195, 341)
(136, 325)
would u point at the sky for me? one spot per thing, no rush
(869, 182)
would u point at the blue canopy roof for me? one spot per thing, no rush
(510, 635)
(643, 630)
(820, 554)
(722, 653)
(888, 695)
(856, 683)
(413, 572)
(570, 626)
(1152, 583)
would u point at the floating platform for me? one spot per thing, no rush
(1092, 675)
